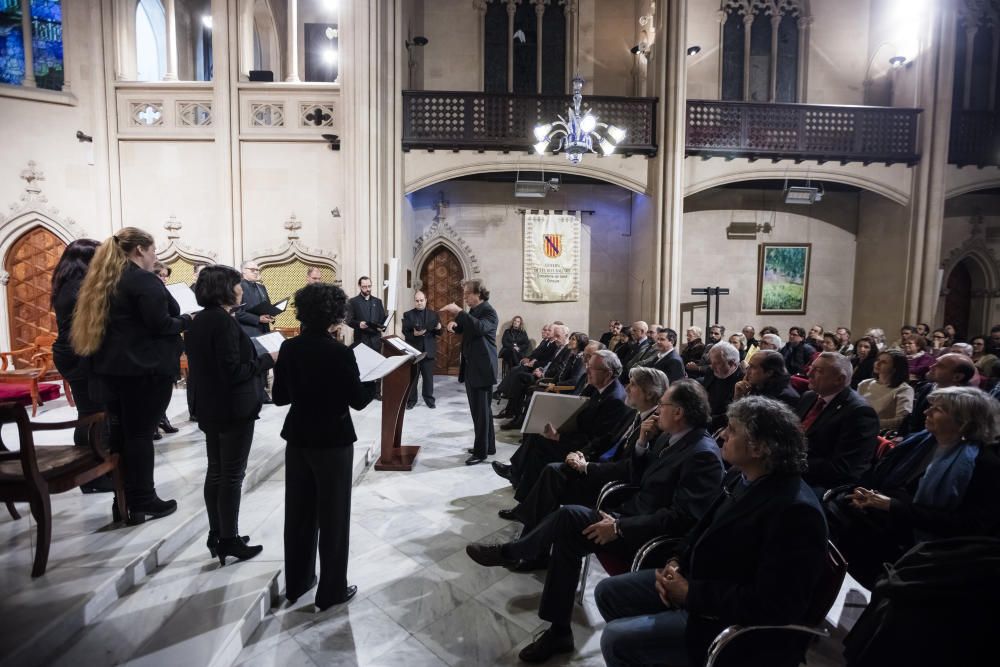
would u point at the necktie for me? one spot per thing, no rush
(623, 441)
(813, 413)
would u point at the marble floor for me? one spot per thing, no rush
(151, 595)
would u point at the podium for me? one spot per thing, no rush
(395, 390)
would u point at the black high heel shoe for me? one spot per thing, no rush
(155, 509)
(236, 547)
(166, 426)
(213, 543)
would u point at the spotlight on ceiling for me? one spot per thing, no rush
(897, 61)
(803, 194)
(692, 50)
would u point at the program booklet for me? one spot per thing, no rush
(560, 410)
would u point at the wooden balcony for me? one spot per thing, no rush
(975, 138)
(446, 120)
(825, 133)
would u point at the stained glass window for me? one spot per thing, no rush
(11, 43)
(46, 43)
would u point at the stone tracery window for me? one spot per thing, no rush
(977, 55)
(762, 46)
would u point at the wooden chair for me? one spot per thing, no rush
(41, 368)
(34, 473)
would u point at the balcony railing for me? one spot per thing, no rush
(975, 138)
(802, 132)
(448, 120)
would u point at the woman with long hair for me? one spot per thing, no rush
(888, 392)
(227, 371)
(863, 360)
(130, 326)
(514, 343)
(66, 280)
(320, 452)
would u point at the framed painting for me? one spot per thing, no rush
(783, 278)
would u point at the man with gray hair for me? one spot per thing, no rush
(595, 426)
(842, 429)
(724, 372)
(771, 341)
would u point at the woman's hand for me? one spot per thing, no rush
(863, 498)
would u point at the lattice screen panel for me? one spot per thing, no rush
(283, 280)
(181, 271)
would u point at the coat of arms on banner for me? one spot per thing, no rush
(553, 245)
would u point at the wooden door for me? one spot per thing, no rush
(958, 303)
(441, 277)
(30, 263)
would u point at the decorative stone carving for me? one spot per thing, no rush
(194, 114)
(747, 8)
(974, 247)
(440, 232)
(295, 249)
(316, 114)
(176, 249)
(146, 114)
(33, 207)
(267, 114)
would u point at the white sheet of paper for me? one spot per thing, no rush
(272, 341)
(373, 365)
(403, 346)
(555, 409)
(388, 318)
(281, 305)
(184, 297)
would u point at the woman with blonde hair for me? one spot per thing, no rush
(129, 326)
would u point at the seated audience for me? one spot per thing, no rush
(815, 336)
(755, 558)
(699, 367)
(538, 358)
(644, 351)
(766, 376)
(917, 360)
(653, 330)
(797, 352)
(863, 360)
(679, 477)
(994, 342)
(637, 344)
(514, 343)
(694, 347)
(769, 330)
(984, 361)
(830, 342)
(667, 359)
(614, 328)
(923, 329)
(771, 341)
(844, 341)
(948, 370)
(965, 350)
(955, 497)
(518, 387)
(720, 381)
(887, 392)
(905, 332)
(739, 341)
(751, 336)
(939, 343)
(952, 333)
(566, 370)
(577, 481)
(877, 335)
(841, 428)
(595, 426)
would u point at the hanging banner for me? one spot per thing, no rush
(551, 257)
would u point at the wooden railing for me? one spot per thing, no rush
(975, 138)
(447, 120)
(802, 132)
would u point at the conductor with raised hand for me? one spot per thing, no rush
(478, 370)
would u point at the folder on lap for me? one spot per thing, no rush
(560, 410)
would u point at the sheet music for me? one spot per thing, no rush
(281, 305)
(373, 365)
(403, 346)
(270, 342)
(388, 318)
(185, 298)
(556, 409)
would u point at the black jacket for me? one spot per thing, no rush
(842, 440)
(371, 311)
(543, 353)
(597, 423)
(225, 369)
(66, 360)
(755, 561)
(478, 327)
(253, 293)
(677, 484)
(142, 335)
(780, 392)
(423, 319)
(318, 376)
(518, 337)
(797, 357)
(720, 394)
(672, 365)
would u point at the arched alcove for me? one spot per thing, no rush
(970, 288)
(441, 273)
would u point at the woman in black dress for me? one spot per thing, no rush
(227, 371)
(514, 343)
(130, 326)
(318, 376)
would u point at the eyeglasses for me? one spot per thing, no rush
(938, 336)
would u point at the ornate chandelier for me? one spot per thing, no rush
(578, 134)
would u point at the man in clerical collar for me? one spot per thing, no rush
(421, 327)
(367, 315)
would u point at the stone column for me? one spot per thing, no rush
(169, 11)
(773, 88)
(970, 45)
(480, 6)
(28, 81)
(539, 13)
(293, 42)
(747, 29)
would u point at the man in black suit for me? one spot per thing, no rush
(595, 427)
(679, 477)
(720, 381)
(840, 427)
(541, 355)
(254, 293)
(367, 315)
(700, 367)
(421, 327)
(638, 343)
(478, 370)
(521, 383)
(667, 359)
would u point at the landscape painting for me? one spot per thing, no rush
(783, 278)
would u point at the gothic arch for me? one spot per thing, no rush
(778, 172)
(985, 273)
(442, 234)
(594, 168)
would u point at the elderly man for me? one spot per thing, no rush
(699, 368)
(842, 429)
(720, 381)
(539, 357)
(577, 481)
(770, 341)
(948, 370)
(751, 335)
(595, 426)
(679, 476)
(637, 345)
(518, 389)
(254, 293)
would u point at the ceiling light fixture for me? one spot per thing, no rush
(578, 132)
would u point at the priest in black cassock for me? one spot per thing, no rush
(421, 327)
(367, 315)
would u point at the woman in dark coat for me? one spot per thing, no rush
(318, 376)
(226, 369)
(130, 326)
(514, 343)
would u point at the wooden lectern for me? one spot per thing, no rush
(395, 390)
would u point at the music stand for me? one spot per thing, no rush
(395, 390)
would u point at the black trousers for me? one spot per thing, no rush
(425, 371)
(558, 485)
(135, 405)
(317, 512)
(562, 533)
(85, 406)
(517, 374)
(530, 459)
(482, 420)
(228, 448)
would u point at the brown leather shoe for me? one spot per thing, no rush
(489, 555)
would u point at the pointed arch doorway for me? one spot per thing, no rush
(441, 280)
(958, 302)
(30, 263)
